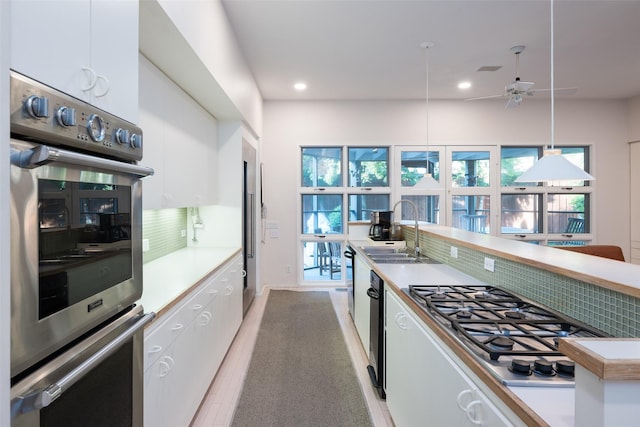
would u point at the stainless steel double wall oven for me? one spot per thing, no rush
(76, 261)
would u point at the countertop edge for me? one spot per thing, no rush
(223, 255)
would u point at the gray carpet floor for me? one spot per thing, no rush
(300, 372)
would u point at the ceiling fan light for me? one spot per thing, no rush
(553, 166)
(427, 182)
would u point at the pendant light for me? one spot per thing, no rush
(553, 166)
(427, 181)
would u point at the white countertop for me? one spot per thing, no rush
(166, 278)
(554, 405)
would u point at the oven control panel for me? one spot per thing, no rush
(41, 113)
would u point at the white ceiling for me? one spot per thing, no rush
(370, 49)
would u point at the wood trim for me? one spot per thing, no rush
(604, 368)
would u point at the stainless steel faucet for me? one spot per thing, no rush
(415, 216)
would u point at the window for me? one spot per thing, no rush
(551, 213)
(470, 169)
(368, 167)
(414, 164)
(321, 167)
(333, 192)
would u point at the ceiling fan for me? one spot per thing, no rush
(517, 90)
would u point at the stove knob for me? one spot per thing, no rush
(66, 116)
(122, 136)
(543, 367)
(37, 106)
(135, 141)
(566, 367)
(519, 366)
(96, 128)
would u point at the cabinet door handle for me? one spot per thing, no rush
(165, 365)
(196, 307)
(177, 327)
(228, 290)
(460, 397)
(213, 292)
(106, 86)
(476, 420)
(244, 273)
(401, 320)
(204, 318)
(155, 349)
(93, 78)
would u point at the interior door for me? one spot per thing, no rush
(249, 203)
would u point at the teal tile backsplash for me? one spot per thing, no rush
(163, 228)
(610, 311)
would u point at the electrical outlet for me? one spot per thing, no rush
(288, 267)
(183, 233)
(489, 264)
(145, 245)
(454, 252)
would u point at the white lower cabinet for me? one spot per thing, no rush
(361, 301)
(184, 351)
(424, 385)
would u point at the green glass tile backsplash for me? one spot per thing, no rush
(610, 311)
(163, 228)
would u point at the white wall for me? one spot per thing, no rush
(288, 125)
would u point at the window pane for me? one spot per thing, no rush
(470, 169)
(428, 208)
(578, 156)
(515, 161)
(471, 213)
(414, 166)
(368, 167)
(321, 213)
(361, 205)
(322, 261)
(321, 167)
(521, 213)
(566, 213)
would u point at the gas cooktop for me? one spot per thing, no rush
(516, 339)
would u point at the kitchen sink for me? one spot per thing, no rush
(385, 255)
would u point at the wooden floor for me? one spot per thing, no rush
(219, 405)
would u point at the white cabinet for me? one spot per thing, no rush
(635, 202)
(361, 301)
(424, 385)
(180, 144)
(185, 349)
(86, 48)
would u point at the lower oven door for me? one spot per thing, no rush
(96, 382)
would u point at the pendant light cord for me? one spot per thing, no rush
(426, 46)
(552, 85)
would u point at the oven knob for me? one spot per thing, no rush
(66, 116)
(566, 367)
(543, 367)
(519, 366)
(96, 128)
(122, 136)
(135, 140)
(37, 106)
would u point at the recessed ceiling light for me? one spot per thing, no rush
(300, 86)
(464, 85)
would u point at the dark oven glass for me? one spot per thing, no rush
(84, 241)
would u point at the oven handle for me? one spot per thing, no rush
(43, 154)
(42, 398)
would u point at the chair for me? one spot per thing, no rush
(335, 258)
(605, 251)
(575, 225)
(324, 257)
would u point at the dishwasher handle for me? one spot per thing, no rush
(373, 293)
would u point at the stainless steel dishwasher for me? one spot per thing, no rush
(376, 333)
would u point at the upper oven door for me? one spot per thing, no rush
(76, 238)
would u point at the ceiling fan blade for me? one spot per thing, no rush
(513, 101)
(486, 97)
(519, 86)
(559, 91)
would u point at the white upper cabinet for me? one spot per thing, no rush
(86, 48)
(180, 144)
